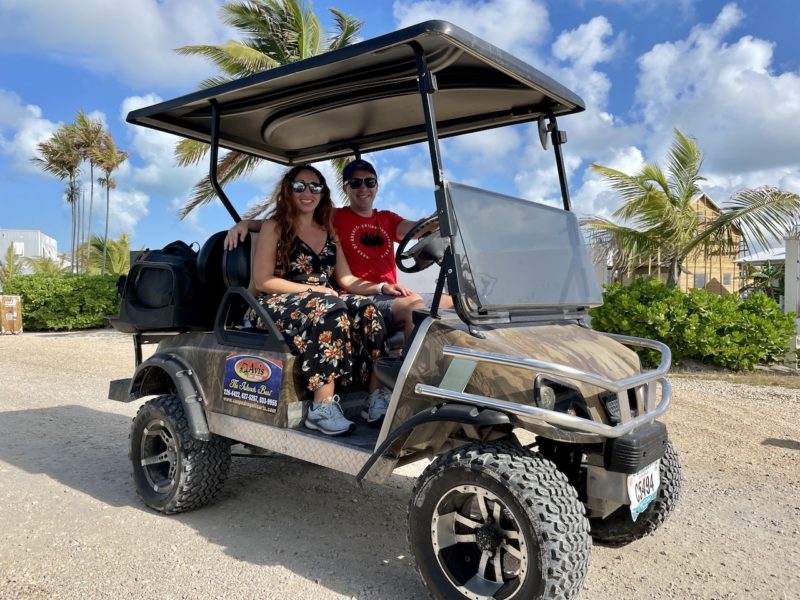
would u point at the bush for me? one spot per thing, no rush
(52, 302)
(718, 330)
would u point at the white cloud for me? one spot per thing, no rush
(21, 129)
(156, 150)
(726, 95)
(516, 26)
(127, 208)
(133, 41)
(585, 46)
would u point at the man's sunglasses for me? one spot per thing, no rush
(356, 182)
(314, 188)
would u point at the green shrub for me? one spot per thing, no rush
(718, 330)
(52, 302)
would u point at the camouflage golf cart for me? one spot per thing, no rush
(543, 434)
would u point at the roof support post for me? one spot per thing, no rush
(559, 138)
(212, 167)
(427, 86)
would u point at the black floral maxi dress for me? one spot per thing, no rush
(336, 338)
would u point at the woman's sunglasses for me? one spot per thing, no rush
(356, 182)
(314, 188)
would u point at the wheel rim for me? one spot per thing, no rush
(159, 456)
(478, 543)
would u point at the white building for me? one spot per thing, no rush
(27, 243)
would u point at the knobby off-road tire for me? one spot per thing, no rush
(497, 521)
(618, 529)
(172, 471)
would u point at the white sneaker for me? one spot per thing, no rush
(376, 406)
(328, 418)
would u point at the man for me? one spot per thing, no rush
(367, 238)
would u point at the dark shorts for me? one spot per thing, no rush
(384, 303)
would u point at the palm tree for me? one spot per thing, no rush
(658, 217)
(118, 252)
(274, 33)
(59, 156)
(10, 267)
(88, 134)
(48, 265)
(108, 158)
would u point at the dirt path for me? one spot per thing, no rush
(71, 525)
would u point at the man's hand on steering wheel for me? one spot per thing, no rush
(429, 248)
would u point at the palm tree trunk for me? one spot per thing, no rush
(105, 235)
(76, 224)
(82, 230)
(72, 237)
(91, 207)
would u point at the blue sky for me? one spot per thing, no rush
(726, 73)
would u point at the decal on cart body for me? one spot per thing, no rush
(252, 381)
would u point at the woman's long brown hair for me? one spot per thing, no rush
(285, 211)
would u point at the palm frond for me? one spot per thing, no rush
(346, 30)
(684, 163)
(233, 58)
(214, 81)
(190, 152)
(759, 214)
(630, 247)
(229, 167)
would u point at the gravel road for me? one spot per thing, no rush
(71, 525)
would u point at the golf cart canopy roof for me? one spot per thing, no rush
(365, 97)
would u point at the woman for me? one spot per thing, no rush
(337, 335)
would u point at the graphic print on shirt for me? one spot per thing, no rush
(371, 241)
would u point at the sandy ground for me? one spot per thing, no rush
(71, 525)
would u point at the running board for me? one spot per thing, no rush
(331, 452)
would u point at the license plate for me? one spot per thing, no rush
(642, 488)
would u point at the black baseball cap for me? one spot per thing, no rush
(356, 164)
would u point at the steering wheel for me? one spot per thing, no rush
(429, 248)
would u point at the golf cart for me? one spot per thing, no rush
(543, 434)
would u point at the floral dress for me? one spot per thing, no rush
(336, 338)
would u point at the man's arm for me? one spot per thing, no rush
(238, 232)
(403, 228)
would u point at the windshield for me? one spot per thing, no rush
(516, 255)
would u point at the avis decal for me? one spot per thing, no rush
(252, 381)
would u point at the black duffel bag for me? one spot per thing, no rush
(162, 291)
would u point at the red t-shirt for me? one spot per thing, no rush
(368, 243)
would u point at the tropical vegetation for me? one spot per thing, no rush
(718, 330)
(65, 301)
(767, 279)
(657, 216)
(273, 33)
(110, 257)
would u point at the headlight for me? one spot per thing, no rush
(559, 396)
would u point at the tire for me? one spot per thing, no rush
(618, 529)
(172, 471)
(529, 526)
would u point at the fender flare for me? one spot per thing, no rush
(165, 372)
(454, 413)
